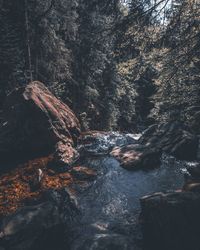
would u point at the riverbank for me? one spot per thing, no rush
(82, 194)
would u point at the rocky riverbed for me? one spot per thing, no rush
(99, 211)
(78, 192)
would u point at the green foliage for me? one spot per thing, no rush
(179, 74)
(105, 59)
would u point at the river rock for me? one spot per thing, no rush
(101, 142)
(194, 171)
(83, 173)
(170, 221)
(134, 157)
(102, 241)
(172, 138)
(34, 123)
(40, 226)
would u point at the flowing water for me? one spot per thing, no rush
(110, 207)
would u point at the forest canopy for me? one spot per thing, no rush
(102, 56)
(99, 124)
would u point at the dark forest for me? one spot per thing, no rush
(99, 124)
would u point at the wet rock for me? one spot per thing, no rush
(83, 173)
(134, 157)
(35, 123)
(172, 138)
(192, 178)
(99, 142)
(41, 226)
(195, 120)
(103, 241)
(192, 187)
(171, 221)
(198, 152)
(104, 236)
(194, 171)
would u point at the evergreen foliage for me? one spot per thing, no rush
(120, 65)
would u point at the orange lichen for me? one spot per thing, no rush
(15, 185)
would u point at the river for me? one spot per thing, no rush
(110, 206)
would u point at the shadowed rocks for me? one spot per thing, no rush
(41, 225)
(171, 221)
(101, 142)
(36, 123)
(133, 157)
(83, 173)
(172, 138)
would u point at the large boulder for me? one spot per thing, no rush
(34, 122)
(133, 157)
(170, 221)
(43, 225)
(171, 138)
